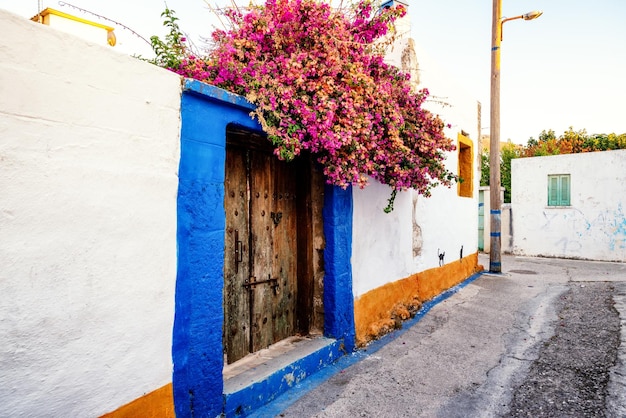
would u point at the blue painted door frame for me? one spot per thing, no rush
(197, 351)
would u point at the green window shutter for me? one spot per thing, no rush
(559, 190)
(565, 193)
(553, 190)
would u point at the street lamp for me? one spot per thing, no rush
(495, 264)
(527, 16)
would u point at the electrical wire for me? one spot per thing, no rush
(62, 3)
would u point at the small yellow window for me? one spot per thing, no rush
(466, 169)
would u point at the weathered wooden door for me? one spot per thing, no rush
(261, 251)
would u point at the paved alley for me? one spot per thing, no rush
(545, 338)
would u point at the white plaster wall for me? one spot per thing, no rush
(447, 220)
(506, 230)
(383, 244)
(593, 227)
(89, 152)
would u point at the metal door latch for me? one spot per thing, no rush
(238, 251)
(251, 282)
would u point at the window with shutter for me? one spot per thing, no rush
(559, 190)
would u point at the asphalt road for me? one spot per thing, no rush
(547, 338)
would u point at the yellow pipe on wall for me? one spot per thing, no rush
(41, 18)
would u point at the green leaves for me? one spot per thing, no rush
(172, 51)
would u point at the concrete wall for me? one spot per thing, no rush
(593, 227)
(89, 154)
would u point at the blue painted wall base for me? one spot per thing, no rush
(243, 402)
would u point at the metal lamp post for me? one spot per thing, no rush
(495, 264)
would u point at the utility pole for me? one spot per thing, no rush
(495, 264)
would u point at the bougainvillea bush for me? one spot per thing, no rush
(319, 83)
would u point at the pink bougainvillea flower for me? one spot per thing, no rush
(319, 82)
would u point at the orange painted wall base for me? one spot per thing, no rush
(156, 404)
(382, 309)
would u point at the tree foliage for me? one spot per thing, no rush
(170, 52)
(320, 84)
(508, 152)
(572, 142)
(548, 143)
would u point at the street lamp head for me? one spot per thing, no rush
(532, 15)
(528, 16)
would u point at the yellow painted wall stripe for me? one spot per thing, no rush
(49, 11)
(375, 311)
(156, 404)
(41, 18)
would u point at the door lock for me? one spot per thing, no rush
(251, 282)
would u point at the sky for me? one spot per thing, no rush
(564, 69)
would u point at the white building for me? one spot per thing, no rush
(113, 234)
(570, 206)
